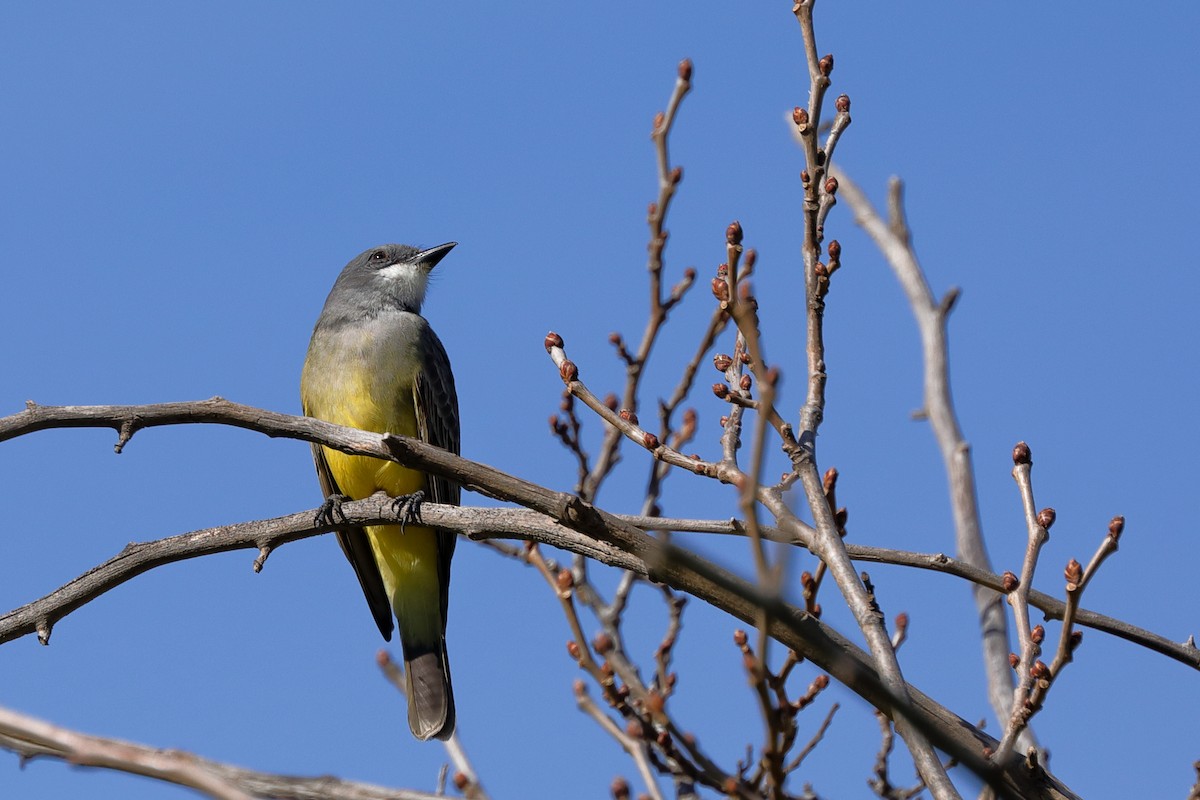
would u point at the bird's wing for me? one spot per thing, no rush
(357, 548)
(437, 423)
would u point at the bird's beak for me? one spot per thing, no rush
(428, 259)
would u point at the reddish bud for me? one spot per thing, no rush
(565, 580)
(820, 270)
(629, 416)
(1038, 634)
(634, 729)
(659, 119)
(745, 383)
(733, 234)
(614, 338)
(721, 391)
(1022, 454)
(573, 650)
(1039, 670)
(1010, 582)
(720, 289)
(461, 781)
(800, 117)
(831, 186)
(676, 175)
(804, 177)
(825, 65)
(1013, 660)
(724, 421)
(650, 441)
(740, 638)
(685, 69)
(842, 103)
(610, 401)
(568, 371)
(603, 643)
(835, 250)
(689, 274)
(1074, 574)
(654, 702)
(652, 210)
(1046, 517)
(829, 480)
(1076, 639)
(821, 682)
(750, 258)
(1116, 527)
(620, 789)
(722, 362)
(553, 340)
(579, 687)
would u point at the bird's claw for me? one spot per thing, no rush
(408, 508)
(330, 512)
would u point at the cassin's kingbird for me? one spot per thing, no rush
(374, 363)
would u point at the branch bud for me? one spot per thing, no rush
(825, 65)
(1010, 582)
(1038, 634)
(1022, 454)
(722, 361)
(1013, 660)
(720, 289)
(733, 234)
(659, 119)
(629, 416)
(1116, 527)
(573, 650)
(1039, 670)
(685, 69)
(676, 175)
(720, 390)
(745, 383)
(1046, 517)
(831, 186)
(1074, 575)
(650, 441)
(564, 580)
(740, 638)
(829, 481)
(800, 117)
(603, 643)
(568, 371)
(620, 789)
(842, 103)
(553, 340)
(611, 402)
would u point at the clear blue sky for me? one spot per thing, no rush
(179, 185)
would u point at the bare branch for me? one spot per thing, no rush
(34, 738)
(893, 240)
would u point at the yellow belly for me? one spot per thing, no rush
(408, 560)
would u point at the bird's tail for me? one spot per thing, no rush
(430, 697)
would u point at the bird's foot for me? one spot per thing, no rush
(330, 512)
(408, 508)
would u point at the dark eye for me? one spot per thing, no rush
(378, 255)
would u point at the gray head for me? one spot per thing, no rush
(392, 276)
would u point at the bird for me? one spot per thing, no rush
(374, 363)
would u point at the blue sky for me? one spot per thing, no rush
(180, 184)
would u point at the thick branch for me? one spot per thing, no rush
(30, 737)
